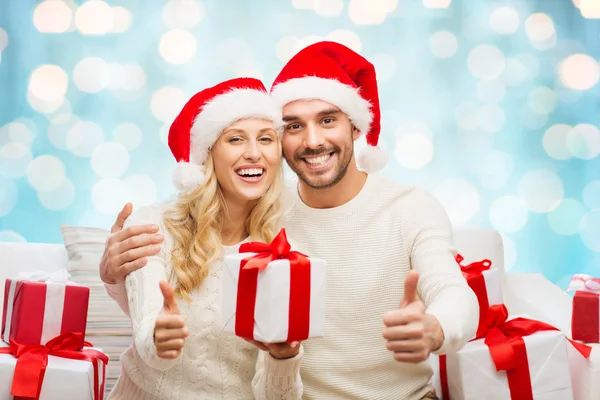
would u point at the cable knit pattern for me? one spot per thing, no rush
(213, 364)
(370, 243)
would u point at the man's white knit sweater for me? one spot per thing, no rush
(370, 243)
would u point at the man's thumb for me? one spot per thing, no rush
(170, 305)
(410, 288)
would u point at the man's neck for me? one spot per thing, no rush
(340, 193)
(234, 222)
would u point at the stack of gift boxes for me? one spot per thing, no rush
(43, 352)
(515, 357)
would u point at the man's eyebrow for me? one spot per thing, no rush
(329, 111)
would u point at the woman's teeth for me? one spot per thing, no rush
(250, 172)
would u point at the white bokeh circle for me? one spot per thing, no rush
(508, 214)
(91, 75)
(60, 198)
(505, 20)
(48, 83)
(83, 138)
(555, 141)
(128, 134)
(46, 173)
(566, 218)
(58, 129)
(486, 62)
(183, 14)
(414, 150)
(541, 189)
(94, 17)
(14, 159)
(542, 100)
(52, 16)
(347, 38)
(579, 72)
(460, 199)
(329, 8)
(443, 44)
(177, 46)
(491, 118)
(167, 102)
(583, 141)
(110, 160)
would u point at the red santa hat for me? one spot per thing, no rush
(333, 73)
(206, 115)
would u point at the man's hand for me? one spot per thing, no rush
(126, 249)
(278, 350)
(411, 334)
(169, 329)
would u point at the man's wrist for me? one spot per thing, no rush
(437, 333)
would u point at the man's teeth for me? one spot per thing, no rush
(318, 160)
(250, 171)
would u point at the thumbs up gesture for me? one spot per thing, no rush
(169, 329)
(410, 333)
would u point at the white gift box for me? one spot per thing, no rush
(472, 374)
(65, 379)
(272, 306)
(584, 373)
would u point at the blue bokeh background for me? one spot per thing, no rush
(492, 105)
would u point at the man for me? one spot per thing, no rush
(394, 292)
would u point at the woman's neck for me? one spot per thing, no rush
(234, 230)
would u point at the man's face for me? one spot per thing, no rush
(318, 142)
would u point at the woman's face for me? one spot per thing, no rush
(246, 159)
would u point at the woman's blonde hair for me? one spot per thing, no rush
(195, 221)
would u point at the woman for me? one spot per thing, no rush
(229, 174)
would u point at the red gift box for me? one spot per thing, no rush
(38, 307)
(585, 320)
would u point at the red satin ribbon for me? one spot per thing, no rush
(299, 310)
(33, 360)
(504, 340)
(473, 274)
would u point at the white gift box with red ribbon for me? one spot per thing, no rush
(272, 294)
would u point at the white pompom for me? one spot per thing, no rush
(372, 159)
(186, 176)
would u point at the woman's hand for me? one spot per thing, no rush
(278, 350)
(169, 330)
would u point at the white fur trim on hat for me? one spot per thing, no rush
(186, 176)
(345, 97)
(372, 159)
(224, 110)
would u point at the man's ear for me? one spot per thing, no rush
(355, 132)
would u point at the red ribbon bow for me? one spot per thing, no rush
(504, 340)
(473, 273)
(33, 360)
(299, 314)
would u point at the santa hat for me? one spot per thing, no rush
(206, 115)
(332, 72)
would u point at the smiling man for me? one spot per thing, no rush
(394, 292)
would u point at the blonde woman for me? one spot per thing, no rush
(230, 180)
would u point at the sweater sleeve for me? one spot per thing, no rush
(144, 295)
(118, 293)
(278, 379)
(445, 292)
